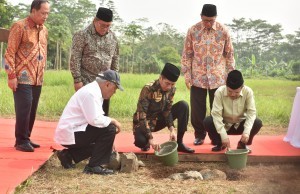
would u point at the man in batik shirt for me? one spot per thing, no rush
(94, 50)
(26, 58)
(206, 59)
(155, 111)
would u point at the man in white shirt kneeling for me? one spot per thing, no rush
(84, 130)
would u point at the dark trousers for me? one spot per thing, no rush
(216, 138)
(179, 111)
(95, 143)
(105, 107)
(26, 99)
(198, 109)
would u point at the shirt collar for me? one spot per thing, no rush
(32, 24)
(213, 26)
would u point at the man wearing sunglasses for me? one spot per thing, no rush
(206, 59)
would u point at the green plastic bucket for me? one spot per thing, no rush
(168, 154)
(237, 159)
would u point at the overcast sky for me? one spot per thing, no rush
(182, 14)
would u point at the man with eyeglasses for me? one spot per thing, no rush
(26, 58)
(94, 50)
(233, 113)
(206, 59)
(84, 130)
(155, 111)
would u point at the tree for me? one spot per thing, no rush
(6, 18)
(79, 12)
(59, 39)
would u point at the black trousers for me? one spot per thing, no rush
(105, 106)
(179, 111)
(26, 99)
(95, 143)
(198, 109)
(216, 138)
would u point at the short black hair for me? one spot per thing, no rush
(36, 4)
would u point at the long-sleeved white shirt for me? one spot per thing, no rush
(84, 107)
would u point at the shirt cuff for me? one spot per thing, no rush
(11, 76)
(223, 135)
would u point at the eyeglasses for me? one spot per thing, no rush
(103, 26)
(209, 21)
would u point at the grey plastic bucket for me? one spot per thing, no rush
(237, 159)
(168, 154)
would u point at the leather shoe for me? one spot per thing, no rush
(34, 144)
(97, 170)
(242, 145)
(25, 147)
(198, 141)
(182, 148)
(218, 148)
(146, 148)
(65, 159)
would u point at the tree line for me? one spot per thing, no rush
(261, 49)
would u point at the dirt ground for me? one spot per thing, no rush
(273, 178)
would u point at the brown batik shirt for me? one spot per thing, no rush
(153, 104)
(93, 54)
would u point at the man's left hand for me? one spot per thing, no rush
(244, 138)
(172, 134)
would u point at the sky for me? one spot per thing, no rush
(182, 14)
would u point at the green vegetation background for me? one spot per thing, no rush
(274, 97)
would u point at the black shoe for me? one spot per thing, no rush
(25, 147)
(242, 145)
(146, 148)
(198, 141)
(34, 145)
(218, 148)
(65, 159)
(97, 170)
(182, 148)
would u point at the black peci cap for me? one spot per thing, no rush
(171, 72)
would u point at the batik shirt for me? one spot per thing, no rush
(154, 104)
(93, 54)
(26, 53)
(207, 56)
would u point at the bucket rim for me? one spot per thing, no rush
(234, 152)
(168, 142)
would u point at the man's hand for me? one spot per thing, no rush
(172, 133)
(188, 84)
(244, 138)
(226, 143)
(154, 145)
(13, 84)
(78, 85)
(117, 124)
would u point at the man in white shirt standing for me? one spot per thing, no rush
(84, 129)
(233, 113)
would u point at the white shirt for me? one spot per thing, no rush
(84, 107)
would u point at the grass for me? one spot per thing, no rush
(274, 98)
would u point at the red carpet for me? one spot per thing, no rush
(16, 166)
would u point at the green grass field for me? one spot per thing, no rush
(274, 98)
